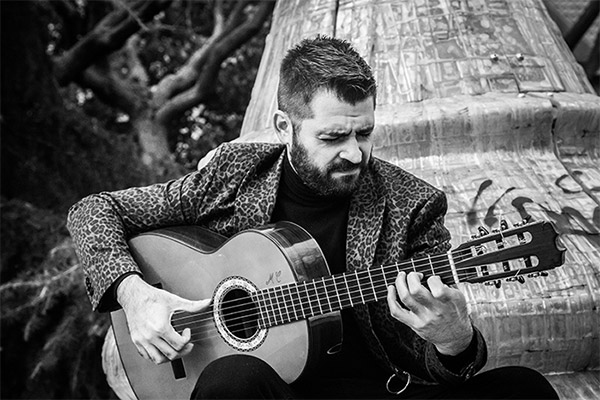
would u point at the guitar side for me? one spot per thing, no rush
(192, 262)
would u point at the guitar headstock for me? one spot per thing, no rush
(509, 253)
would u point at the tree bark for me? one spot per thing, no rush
(90, 64)
(108, 36)
(204, 66)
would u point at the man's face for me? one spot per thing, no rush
(332, 149)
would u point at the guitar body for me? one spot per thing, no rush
(195, 263)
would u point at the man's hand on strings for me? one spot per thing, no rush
(438, 314)
(148, 311)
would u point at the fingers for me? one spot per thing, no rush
(165, 347)
(194, 306)
(411, 292)
(444, 293)
(401, 314)
(153, 334)
(437, 288)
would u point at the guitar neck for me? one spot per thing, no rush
(505, 254)
(287, 303)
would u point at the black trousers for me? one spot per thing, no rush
(247, 377)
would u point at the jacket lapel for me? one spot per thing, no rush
(364, 228)
(255, 200)
(364, 224)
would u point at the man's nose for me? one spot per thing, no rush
(351, 151)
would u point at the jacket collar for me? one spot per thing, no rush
(365, 216)
(257, 195)
(364, 223)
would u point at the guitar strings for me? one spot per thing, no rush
(239, 322)
(377, 269)
(200, 333)
(376, 275)
(319, 303)
(331, 280)
(422, 264)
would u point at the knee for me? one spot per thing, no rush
(528, 383)
(232, 377)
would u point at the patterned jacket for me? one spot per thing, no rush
(393, 216)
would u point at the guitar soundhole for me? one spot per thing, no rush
(239, 314)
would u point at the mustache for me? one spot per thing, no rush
(345, 166)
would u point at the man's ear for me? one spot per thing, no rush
(283, 127)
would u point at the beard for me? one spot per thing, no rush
(322, 182)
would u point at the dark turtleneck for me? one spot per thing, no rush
(324, 217)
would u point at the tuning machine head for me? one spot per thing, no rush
(497, 283)
(537, 274)
(520, 279)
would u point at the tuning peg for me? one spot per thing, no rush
(497, 283)
(503, 225)
(519, 279)
(537, 274)
(481, 249)
(483, 231)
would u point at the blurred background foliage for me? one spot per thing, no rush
(82, 82)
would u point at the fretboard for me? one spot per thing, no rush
(291, 302)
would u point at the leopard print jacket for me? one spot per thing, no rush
(393, 216)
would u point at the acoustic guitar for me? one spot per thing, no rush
(274, 298)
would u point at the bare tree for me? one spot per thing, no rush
(106, 61)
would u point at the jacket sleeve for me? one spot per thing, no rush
(101, 224)
(429, 236)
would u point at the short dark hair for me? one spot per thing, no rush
(322, 63)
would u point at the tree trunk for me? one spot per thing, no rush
(152, 138)
(42, 140)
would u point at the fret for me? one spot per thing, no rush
(413, 265)
(301, 301)
(254, 297)
(337, 292)
(343, 294)
(327, 294)
(393, 276)
(281, 304)
(308, 299)
(271, 312)
(359, 287)
(349, 292)
(317, 296)
(277, 298)
(431, 265)
(262, 323)
(384, 277)
(289, 302)
(372, 284)
(452, 266)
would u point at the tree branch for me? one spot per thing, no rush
(188, 74)
(220, 50)
(117, 92)
(109, 35)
